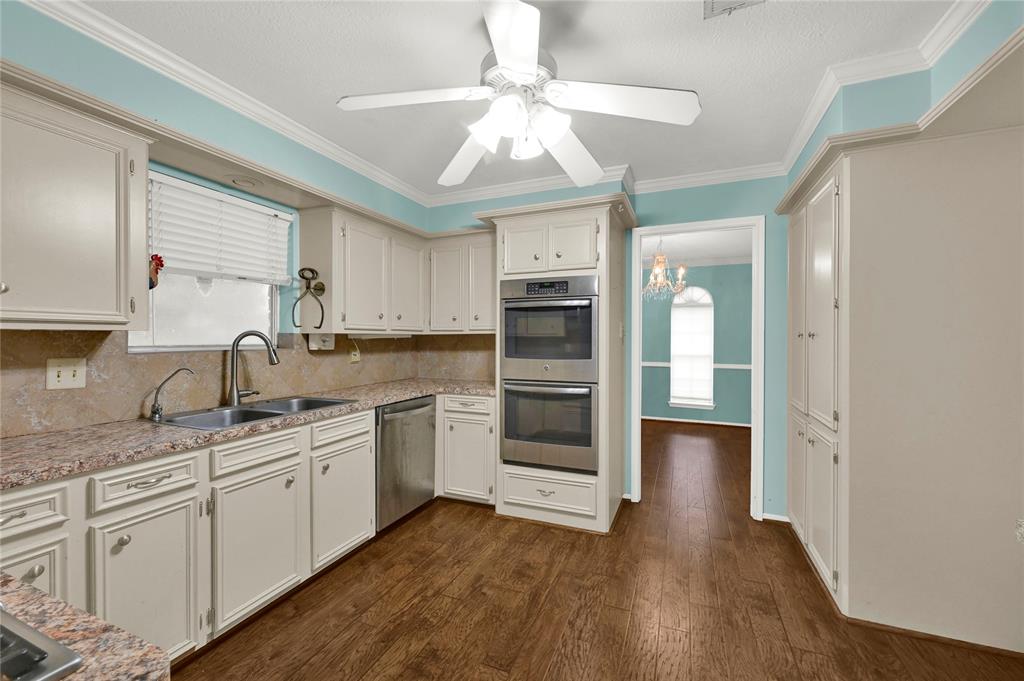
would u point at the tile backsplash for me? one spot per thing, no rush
(120, 385)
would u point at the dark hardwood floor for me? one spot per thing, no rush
(687, 586)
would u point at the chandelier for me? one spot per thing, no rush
(661, 284)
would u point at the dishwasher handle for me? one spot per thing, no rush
(412, 412)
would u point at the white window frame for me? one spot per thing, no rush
(692, 402)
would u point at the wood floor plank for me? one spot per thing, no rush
(673, 655)
(708, 658)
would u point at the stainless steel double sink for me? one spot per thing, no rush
(220, 418)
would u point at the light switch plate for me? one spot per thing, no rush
(63, 373)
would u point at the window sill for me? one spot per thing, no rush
(707, 406)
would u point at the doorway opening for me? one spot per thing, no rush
(698, 333)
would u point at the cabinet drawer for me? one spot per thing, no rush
(254, 451)
(552, 492)
(41, 564)
(475, 405)
(21, 513)
(122, 486)
(341, 428)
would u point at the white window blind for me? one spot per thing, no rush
(206, 233)
(693, 348)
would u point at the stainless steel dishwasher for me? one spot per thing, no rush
(405, 458)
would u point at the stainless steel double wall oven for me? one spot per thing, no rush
(549, 370)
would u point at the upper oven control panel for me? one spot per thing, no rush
(547, 288)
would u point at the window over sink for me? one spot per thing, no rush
(225, 258)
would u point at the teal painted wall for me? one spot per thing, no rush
(730, 288)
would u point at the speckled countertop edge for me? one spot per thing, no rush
(31, 459)
(108, 652)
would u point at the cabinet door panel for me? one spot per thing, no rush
(526, 248)
(255, 541)
(820, 527)
(573, 245)
(446, 289)
(343, 485)
(43, 564)
(482, 293)
(467, 455)
(797, 313)
(822, 219)
(365, 278)
(144, 570)
(797, 490)
(406, 286)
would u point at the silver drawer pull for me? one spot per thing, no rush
(14, 516)
(146, 484)
(4, 288)
(326, 467)
(536, 256)
(476, 317)
(289, 481)
(545, 492)
(36, 571)
(380, 315)
(124, 540)
(454, 318)
(468, 404)
(558, 254)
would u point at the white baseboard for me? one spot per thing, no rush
(772, 516)
(710, 423)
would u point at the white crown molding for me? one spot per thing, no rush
(621, 174)
(119, 37)
(950, 27)
(711, 177)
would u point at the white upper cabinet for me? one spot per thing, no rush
(797, 299)
(822, 303)
(406, 289)
(366, 278)
(73, 223)
(483, 295)
(572, 244)
(145, 574)
(550, 242)
(447, 292)
(526, 248)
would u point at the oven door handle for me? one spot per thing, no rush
(544, 389)
(575, 302)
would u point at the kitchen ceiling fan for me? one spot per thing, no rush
(521, 81)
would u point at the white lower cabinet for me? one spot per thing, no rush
(466, 448)
(820, 500)
(255, 540)
(342, 484)
(797, 473)
(144, 573)
(41, 562)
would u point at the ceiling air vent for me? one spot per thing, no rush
(715, 8)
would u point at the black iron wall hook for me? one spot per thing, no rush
(309, 275)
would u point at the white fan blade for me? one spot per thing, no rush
(576, 161)
(468, 155)
(680, 107)
(514, 28)
(379, 101)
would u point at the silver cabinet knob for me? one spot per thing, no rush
(799, 433)
(124, 540)
(800, 335)
(454, 318)
(35, 571)
(451, 427)
(380, 316)
(289, 481)
(558, 254)
(536, 256)
(398, 316)
(811, 335)
(4, 288)
(326, 467)
(476, 317)
(547, 367)
(811, 441)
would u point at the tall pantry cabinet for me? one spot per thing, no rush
(814, 415)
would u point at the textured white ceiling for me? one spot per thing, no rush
(700, 248)
(756, 71)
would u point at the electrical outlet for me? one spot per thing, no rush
(63, 373)
(1020, 530)
(354, 356)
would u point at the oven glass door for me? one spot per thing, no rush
(550, 424)
(549, 329)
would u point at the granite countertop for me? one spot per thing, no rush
(28, 459)
(108, 652)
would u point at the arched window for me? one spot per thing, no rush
(693, 349)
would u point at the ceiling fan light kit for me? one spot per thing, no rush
(520, 80)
